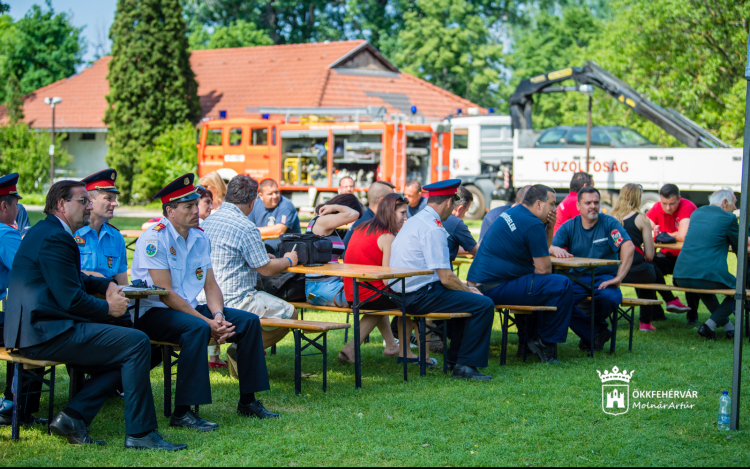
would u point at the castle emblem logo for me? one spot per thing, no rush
(615, 397)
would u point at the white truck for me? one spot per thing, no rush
(494, 154)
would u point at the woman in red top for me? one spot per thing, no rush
(370, 244)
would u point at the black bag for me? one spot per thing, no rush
(286, 286)
(665, 238)
(310, 248)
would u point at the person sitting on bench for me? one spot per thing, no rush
(176, 255)
(513, 267)
(52, 316)
(598, 236)
(702, 263)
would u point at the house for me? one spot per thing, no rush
(241, 81)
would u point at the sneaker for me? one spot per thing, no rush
(647, 327)
(676, 306)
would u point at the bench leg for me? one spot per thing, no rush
(166, 354)
(422, 347)
(346, 331)
(297, 362)
(504, 313)
(631, 319)
(51, 399)
(614, 319)
(17, 402)
(445, 347)
(273, 349)
(325, 362)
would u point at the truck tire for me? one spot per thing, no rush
(479, 206)
(648, 200)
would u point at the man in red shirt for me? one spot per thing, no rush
(568, 208)
(672, 216)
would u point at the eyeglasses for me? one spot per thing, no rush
(456, 198)
(85, 201)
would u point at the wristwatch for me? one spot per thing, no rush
(219, 312)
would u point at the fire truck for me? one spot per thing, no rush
(309, 157)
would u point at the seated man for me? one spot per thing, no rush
(413, 195)
(375, 194)
(422, 243)
(702, 263)
(52, 316)
(598, 236)
(568, 208)
(459, 235)
(495, 213)
(175, 254)
(513, 267)
(346, 185)
(276, 214)
(237, 252)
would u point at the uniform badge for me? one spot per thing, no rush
(113, 176)
(187, 181)
(199, 273)
(617, 238)
(80, 241)
(159, 227)
(109, 262)
(439, 223)
(271, 221)
(172, 251)
(152, 246)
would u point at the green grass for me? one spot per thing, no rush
(530, 414)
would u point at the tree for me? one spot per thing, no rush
(151, 84)
(238, 34)
(40, 48)
(447, 43)
(4, 7)
(26, 152)
(14, 99)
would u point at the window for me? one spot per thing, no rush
(259, 137)
(214, 137)
(599, 138)
(235, 137)
(88, 136)
(630, 138)
(551, 137)
(460, 139)
(577, 137)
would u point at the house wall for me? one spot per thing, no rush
(88, 155)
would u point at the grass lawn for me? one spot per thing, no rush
(529, 414)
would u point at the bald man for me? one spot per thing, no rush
(375, 194)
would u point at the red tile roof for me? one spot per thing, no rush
(296, 75)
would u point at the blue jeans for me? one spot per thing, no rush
(328, 293)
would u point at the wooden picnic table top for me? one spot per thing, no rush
(267, 237)
(462, 260)
(363, 272)
(139, 295)
(580, 262)
(662, 287)
(131, 233)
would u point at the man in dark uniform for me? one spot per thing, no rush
(52, 316)
(176, 254)
(422, 243)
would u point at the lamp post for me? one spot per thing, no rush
(52, 102)
(588, 90)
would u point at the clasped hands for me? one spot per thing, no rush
(221, 329)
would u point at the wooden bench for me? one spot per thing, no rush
(506, 321)
(20, 395)
(626, 311)
(424, 328)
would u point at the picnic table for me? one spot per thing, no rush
(135, 234)
(139, 295)
(364, 274)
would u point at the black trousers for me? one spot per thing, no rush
(112, 356)
(720, 312)
(193, 385)
(647, 272)
(666, 265)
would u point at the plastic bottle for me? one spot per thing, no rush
(724, 410)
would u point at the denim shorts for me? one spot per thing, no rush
(328, 293)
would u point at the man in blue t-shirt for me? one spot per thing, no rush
(274, 214)
(597, 236)
(513, 267)
(495, 213)
(413, 194)
(459, 235)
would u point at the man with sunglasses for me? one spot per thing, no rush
(422, 244)
(52, 315)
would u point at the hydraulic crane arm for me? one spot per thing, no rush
(674, 123)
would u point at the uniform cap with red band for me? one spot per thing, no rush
(448, 187)
(8, 185)
(179, 190)
(102, 181)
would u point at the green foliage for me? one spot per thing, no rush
(14, 99)
(173, 154)
(447, 43)
(4, 7)
(26, 152)
(152, 86)
(40, 48)
(238, 34)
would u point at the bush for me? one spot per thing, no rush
(174, 153)
(26, 152)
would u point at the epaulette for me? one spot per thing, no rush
(113, 226)
(439, 223)
(159, 227)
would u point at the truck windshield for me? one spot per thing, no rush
(551, 136)
(630, 138)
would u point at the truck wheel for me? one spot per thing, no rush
(648, 200)
(478, 207)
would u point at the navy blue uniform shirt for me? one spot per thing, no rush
(490, 218)
(509, 247)
(602, 241)
(458, 235)
(410, 212)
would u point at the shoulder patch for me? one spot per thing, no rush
(617, 238)
(152, 247)
(113, 226)
(80, 241)
(159, 227)
(439, 223)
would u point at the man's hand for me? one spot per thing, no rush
(615, 282)
(475, 290)
(551, 220)
(221, 329)
(271, 256)
(118, 304)
(293, 256)
(560, 253)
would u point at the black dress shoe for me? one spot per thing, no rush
(152, 441)
(469, 373)
(706, 332)
(730, 334)
(602, 338)
(255, 409)
(451, 366)
(74, 430)
(545, 352)
(192, 421)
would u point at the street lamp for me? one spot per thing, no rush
(588, 90)
(52, 102)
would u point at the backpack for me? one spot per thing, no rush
(310, 248)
